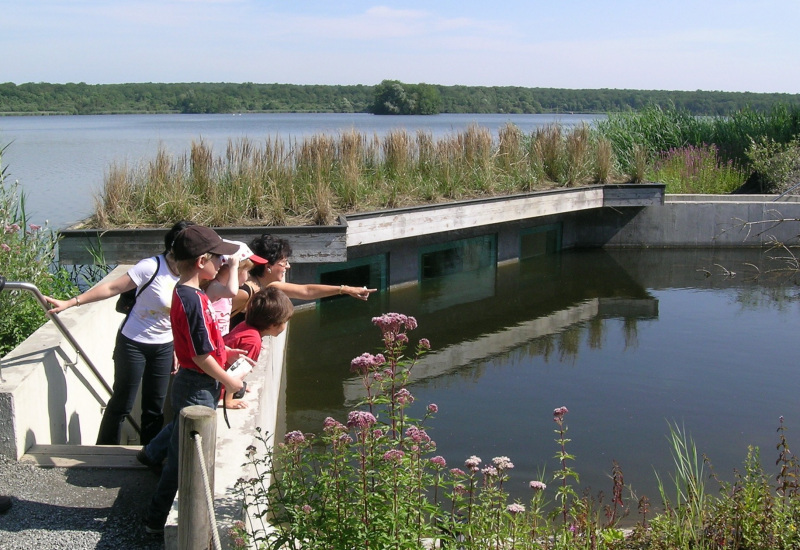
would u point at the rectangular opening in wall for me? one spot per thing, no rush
(539, 241)
(457, 257)
(369, 272)
(458, 272)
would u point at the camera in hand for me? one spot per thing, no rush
(239, 394)
(241, 365)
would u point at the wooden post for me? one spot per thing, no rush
(194, 525)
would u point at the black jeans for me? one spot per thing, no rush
(134, 363)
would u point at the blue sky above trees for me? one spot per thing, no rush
(680, 45)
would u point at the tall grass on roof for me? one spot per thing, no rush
(314, 179)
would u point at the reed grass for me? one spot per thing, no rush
(313, 180)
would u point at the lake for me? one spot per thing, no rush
(628, 340)
(60, 161)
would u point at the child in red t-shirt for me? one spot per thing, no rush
(200, 351)
(267, 313)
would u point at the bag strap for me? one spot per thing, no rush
(158, 267)
(141, 289)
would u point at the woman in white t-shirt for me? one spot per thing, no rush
(143, 353)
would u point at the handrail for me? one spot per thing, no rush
(792, 188)
(65, 333)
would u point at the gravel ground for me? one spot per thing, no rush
(58, 508)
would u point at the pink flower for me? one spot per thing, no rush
(472, 463)
(424, 343)
(489, 471)
(34, 227)
(360, 419)
(417, 435)
(433, 408)
(5, 247)
(537, 486)
(515, 508)
(502, 463)
(365, 362)
(294, 439)
(457, 472)
(403, 397)
(393, 455)
(439, 461)
(307, 509)
(332, 426)
(392, 324)
(558, 414)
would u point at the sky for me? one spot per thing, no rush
(712, 45)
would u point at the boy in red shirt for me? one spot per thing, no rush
(267, 313)
(199, 348)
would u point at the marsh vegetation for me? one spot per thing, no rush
(316, 179)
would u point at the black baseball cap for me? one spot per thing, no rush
(196, 240)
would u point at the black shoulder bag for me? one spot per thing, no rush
(127, 299)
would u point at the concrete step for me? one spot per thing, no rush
(83, 456)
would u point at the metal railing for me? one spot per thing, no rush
(9, 285)
(792, 188)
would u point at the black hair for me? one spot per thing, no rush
(271, 249)
(169, 238)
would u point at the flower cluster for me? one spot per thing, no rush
(294, 438)
(366, 362)
(394, 322)
(360, 420)
(537, 486)
(403, 397)
(473, 463)
(393, 455)
(502, 463)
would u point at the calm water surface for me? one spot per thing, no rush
(628, 341)
(60, 161)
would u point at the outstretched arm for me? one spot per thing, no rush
(95, 294)
(314, 291)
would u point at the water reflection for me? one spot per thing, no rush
(627, 339)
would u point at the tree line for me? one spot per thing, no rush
(388, 97)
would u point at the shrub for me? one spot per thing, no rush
(696, 170)
(775, 165)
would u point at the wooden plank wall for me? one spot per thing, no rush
(128, 246)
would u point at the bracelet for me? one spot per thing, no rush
(77, 301)
(341, 289)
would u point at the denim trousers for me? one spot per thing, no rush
(136, 363)
(188, 388)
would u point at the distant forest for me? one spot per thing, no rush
(390, 96)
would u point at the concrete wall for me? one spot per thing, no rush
(694, 221)
(47, 393)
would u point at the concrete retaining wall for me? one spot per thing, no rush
(47, 394)
(695, 221)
